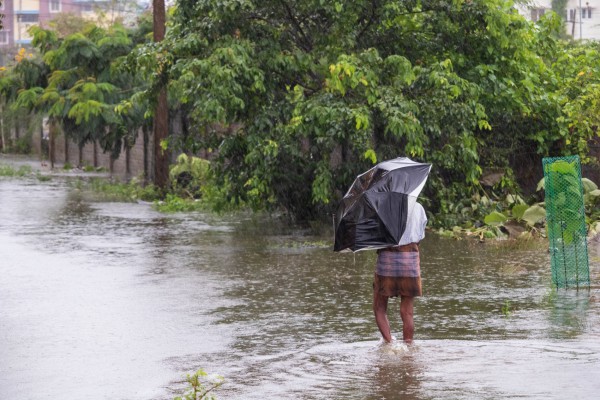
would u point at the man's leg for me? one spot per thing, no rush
(406, 313)
(380, 309)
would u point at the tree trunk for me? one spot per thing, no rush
(161, 115)
(127, 162)
(95, 154)
(161, 161)
(66, 149)
(2, 137)
(52, 143)
(146, 136)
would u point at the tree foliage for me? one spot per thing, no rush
(291, 100)
(77, 81)
(299, 97)
(65, 24)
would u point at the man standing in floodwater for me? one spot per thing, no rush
(398, 273)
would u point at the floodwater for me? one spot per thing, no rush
(117, 301)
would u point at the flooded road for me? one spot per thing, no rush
(118, 301)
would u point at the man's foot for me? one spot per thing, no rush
(393, 347)
(383, 342)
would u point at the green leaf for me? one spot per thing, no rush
(164, 144)
(511, 199)
(540, 185)
(495, 218)
(519, 210)
(594, 229)
(588, 185)
(371, 155)
(563, 167)
(534, 214)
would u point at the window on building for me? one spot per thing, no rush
(571, 15)
(536, 13)
(589, 12)
(55, 6)
(583, 13)
(28, 18)
(87, 7)
(3, 37)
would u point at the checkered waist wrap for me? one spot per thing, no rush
(400, 261)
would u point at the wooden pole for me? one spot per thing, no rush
(2, 137)
(161, 115)
(52, 142)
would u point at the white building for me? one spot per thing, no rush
(582, 17)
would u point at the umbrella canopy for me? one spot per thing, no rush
(374, 211)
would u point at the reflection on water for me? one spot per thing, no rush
(118, 301)
(568, 314)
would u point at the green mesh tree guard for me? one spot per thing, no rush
(565, 219)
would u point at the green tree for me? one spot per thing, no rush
(65, 24)
(24, 71)
(578, 68)
(560, 8)
(299, 97)
(9, 86)
(292, 99)
(82, 86)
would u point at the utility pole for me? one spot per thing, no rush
(161, 114)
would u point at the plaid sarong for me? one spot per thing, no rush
(400, 261)
(398, 271)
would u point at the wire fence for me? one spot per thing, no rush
(565, 217)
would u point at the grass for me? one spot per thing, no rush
(200, 386)
(173, 203)
(102, 189)
(506, 309)
(42, 178)
(312, 244)
(8, 171)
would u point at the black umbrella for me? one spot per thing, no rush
(374, 212)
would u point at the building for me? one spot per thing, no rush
(582, 17)
(20, 15)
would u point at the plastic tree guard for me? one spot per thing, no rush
(565, 219)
